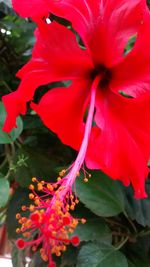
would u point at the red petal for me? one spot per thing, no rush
(31, 8)
(62, 111)
(63, 60)
(121, 144)
(105, 26)
(14, 106)
(133, 75)
(51, 61)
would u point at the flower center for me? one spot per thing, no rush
(104, 72)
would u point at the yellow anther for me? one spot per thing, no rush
(24, 208)
(23, 229)
(86, 180)
(58, 254)
(40, 186)
(28, 224)
(20, 221)
(57, 203)
(74, 223)
(34, 248)
(41, 211)
(18, 230)
(31, 196)
(53, 232)
(63, 248)
(18, 216)
(50, 187)
(37, 202)
(83, 221)
(78, 174)
(58, 178)
(76, 201)
(26, 234)
(41, 250)
(72, 207)
(31, 208)
(42, 182)
(31, 187)
(44, 257)
(90, 175)
(34, 179)
(62, 173)
(67, 207)
(24, 219)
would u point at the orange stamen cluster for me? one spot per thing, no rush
(49, 219)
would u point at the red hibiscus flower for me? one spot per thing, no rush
(35, 8)
(116, 135)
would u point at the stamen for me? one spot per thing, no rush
(71, 176)
(50, 216)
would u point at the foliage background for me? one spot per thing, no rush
(117, 231)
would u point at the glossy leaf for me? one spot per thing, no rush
(138, 209)
(36, 164)
(37, 261)
(17, 257)
(19, 198)
(69, 257)
(97, 255)
(94, 229)
(101, 195)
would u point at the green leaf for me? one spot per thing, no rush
(101, 195)
(130, 264)
(19, 198)
(138, 209)
(17, 257)
(94, 229)
(37, 261)
(36, 165)
(130, 44)
(4, 192)
(6, 138)
(100, 255)
(69, 257)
